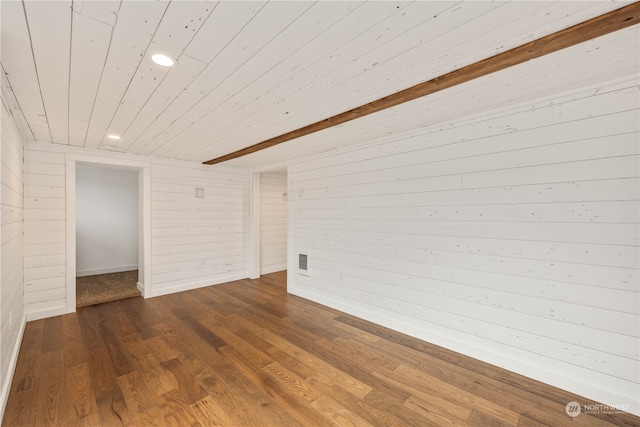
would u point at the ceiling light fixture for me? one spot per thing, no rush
(114, 137)
(163, 60)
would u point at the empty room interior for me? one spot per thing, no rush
(320, 213)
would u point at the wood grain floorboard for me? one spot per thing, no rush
(246, 353)
(50, 397)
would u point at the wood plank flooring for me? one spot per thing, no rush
(248, 354)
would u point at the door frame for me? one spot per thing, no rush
(254, 225)
(144, 220)
(253, 270)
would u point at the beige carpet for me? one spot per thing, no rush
(91, 290)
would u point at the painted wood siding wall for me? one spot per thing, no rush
(12, 315)
(45, 238)
(194, 242)
(273, 222)
(510, 236)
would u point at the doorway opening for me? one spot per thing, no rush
(106, 233)
(270, 213)
(108, 218)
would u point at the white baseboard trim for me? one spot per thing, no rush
(107, 270)
(12, 367)
(273, 269)
(180, 287)
(559, 379)
(43, 314)
(140, 288)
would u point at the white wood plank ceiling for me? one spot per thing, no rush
(248, 71)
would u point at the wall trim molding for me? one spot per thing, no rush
(536, 372)
(144, 212)
(107, 270)
(187, 286)
(12, 366)
(254, 225)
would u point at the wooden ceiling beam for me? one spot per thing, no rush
(610, 22)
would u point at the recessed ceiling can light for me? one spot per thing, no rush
(163, 60)
(114, 137)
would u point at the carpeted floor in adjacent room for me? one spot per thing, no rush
(92, 290)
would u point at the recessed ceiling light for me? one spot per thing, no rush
(114, 137)
(163, 60)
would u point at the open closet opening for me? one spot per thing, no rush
(107, 233)
(269, 222)
(273, 221)
(142, 172)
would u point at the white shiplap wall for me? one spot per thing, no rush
(273, 222)
(194, 242)
(12, 313)
(197, 241)
(44, 234)
(510, 236)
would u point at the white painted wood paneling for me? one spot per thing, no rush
(194, 242)
(45, 232)
(88, 56)
(131, 36)
(272, 19)
(220, 28)
(12, 301)
(152, 87)
(585, 65)
(269, 65)
(273, 222)
(511, 236)
(17, 62)
(49, 24)
(444, 50)
(104, 11)
(251, 70)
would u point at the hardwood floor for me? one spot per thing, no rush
(248, 354)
